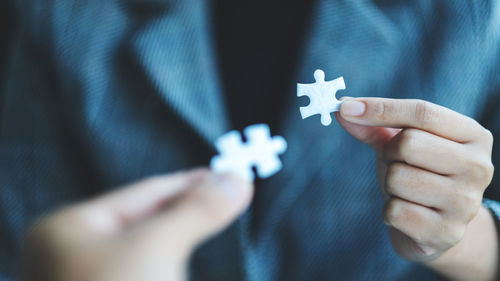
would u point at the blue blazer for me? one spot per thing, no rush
(95, 94)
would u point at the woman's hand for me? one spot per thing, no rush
(434, 165)
(145, 231)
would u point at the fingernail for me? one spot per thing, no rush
(352, 108)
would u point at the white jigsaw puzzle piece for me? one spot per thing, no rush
(231, 144)
(260, 151)
(322, 97)
(264, 150)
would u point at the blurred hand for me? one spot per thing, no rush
(434, 165)
(145, 231)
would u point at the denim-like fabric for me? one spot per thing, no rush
(100, 93)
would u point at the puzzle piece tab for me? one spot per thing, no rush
(260, 151)
(322, 97)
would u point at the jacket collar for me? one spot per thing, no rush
(176, 51)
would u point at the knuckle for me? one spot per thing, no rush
(411, 217)
(427, 251)
(390, 187)
(481, 170)
(425, 112)
(471, 213)
(384, 109)
(451, 234)
(393, 178)
(457, 235)
(396, 170)
(407, 145)
(390, 211)
(489, 170)
(421, 240)
(400, 216)
(474, 200)
(488, 135)
(471, 204)
(466, 203)
(468, 199)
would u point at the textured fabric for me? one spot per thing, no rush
(100, 93)
(257, 46)
(494, 207)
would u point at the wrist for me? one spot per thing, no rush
(475, 257)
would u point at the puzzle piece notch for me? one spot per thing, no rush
(260, 151)
(322, 96)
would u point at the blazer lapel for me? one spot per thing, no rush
(177, 53)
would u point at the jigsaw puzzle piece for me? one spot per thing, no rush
(270, 165)
(322, 97)
(230, 141)
(265, 149)
(232, 156)
(260, 151)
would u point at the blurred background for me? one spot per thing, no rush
(96, 94)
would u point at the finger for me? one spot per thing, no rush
(419, 186)
(116, 210)
(376, 137)
(207, 208)
(427, 151)
(382, 167)
(407, 113)
(423, 225)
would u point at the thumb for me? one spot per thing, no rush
(376, 137)
(205, 209)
